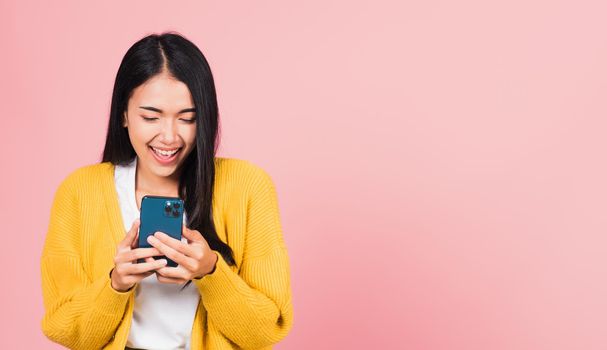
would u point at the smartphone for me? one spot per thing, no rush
(164, 214)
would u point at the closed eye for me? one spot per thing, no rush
(150, 119)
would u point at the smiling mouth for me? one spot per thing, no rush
(165, 155)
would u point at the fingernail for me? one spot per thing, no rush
(163, 261)
(158, 234)
(151, 239)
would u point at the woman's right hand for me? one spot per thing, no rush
(127, 272)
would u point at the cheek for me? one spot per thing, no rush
(189, 137)
(139, 136)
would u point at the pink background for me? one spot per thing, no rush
(440, 165)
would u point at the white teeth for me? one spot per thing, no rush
(165, 153)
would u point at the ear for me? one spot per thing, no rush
(124, 120)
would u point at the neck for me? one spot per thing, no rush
(156, 185)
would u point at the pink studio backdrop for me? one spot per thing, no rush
(440, 165)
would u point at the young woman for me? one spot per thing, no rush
(232, 286)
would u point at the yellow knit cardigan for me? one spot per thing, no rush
(244, 306)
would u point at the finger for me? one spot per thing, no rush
(135, 254)
(170, 252)
(173, 272)
(150, 260)
(178, 245)
(132, 279)
(144, 275)
(163, 279)
(135, 242)
(136, 269)
(139, 277)
(130, 236)
(192, 235)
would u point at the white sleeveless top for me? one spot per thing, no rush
(163, 315)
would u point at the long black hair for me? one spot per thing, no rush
(183, 60)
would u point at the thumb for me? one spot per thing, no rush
(192, 235)
(130, 236)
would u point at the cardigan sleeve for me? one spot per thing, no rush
(80, 313)
(252, 307)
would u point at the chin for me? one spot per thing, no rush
(164, 172)
(159, 170)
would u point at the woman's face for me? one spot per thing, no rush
(160, 118)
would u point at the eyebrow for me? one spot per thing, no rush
(154, 109)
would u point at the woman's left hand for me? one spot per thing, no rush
(195, 258)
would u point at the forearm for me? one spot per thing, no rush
(252, 316)
(81, 316)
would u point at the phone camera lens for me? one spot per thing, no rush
(176, 205)
(167, 209)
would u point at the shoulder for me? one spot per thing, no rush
(241, 174)
(242, 168)
(86, 177)
(88, 173)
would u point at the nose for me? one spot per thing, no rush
(168, 134)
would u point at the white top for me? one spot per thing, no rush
(163, 315)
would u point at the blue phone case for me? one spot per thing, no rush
(164, 214)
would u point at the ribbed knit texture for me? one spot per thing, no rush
(244, 306)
